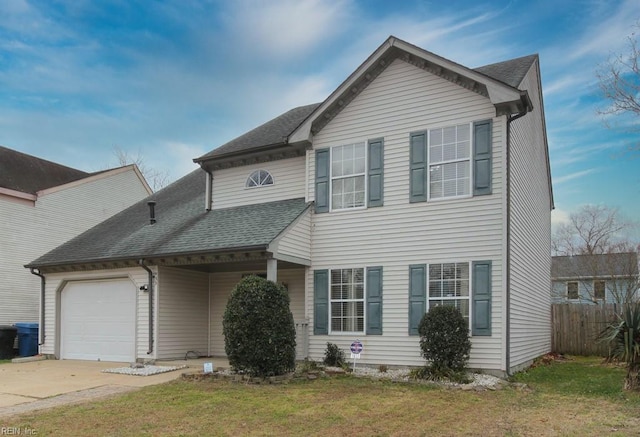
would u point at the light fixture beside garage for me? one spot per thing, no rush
(144, 287)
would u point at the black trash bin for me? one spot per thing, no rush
(7, 339)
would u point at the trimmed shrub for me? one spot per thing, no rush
(334, 356)
(259, 331)
(444, 340)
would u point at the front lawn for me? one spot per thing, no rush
(577, 397)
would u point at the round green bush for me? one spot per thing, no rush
(259, 331)
(444, 339)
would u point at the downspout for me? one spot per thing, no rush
(510, 119)
(150, 273)
(42, 286)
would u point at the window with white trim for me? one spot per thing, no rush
(259, 178)
(599, 290)
(348, 170)
(347, 300)
(450, 161)
(449, 285)
(572, 290)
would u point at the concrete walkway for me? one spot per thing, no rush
(43, 384)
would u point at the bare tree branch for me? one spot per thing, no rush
(155, 178)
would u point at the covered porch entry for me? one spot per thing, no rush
(192, 294)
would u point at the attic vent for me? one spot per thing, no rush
(152, 211)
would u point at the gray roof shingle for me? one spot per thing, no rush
(510, 72)
(183, 227)
(28, 174)
(273, 132)
(591, 266)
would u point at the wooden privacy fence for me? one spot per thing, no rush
(575, 328)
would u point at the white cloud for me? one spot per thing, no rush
(571, 176)
(607, 34)
(559, 217)
(286, 28)
(182, 155)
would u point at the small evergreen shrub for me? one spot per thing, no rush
(259, 331)
(444, 340)
(334, 356)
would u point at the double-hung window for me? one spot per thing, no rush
(450, 161)
(348, 170)
(449, 285)
(347, 300)
(463, 285)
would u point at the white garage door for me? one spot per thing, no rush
(97, 320)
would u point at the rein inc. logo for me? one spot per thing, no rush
(16, 430)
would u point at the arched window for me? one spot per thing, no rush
(259, 178)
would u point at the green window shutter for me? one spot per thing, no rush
(481, 306)
(374, 301)
(375, 172)
(482, 139)
(417, 296)
(418, 168)
(322, 180)
(321, 302)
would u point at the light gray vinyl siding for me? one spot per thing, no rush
(405, 99)
(55, 284)
(221, 286)
(29, 230)
(229, 184)
(530, 234)
(296, 240)
(183, 319)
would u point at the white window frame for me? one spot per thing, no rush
(248, 178)
(451, 161)
(577, 290)
(364, 302)
(453, 298)
(332, 177)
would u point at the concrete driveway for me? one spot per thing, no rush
(43, 384)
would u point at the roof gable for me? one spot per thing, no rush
(28, 174)
(277, 138)
(505, 97)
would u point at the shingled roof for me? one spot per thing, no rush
(273, 132)
(510, 72)
(183, 227)
(593, 266)
(28, 174)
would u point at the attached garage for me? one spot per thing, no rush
(97, 320)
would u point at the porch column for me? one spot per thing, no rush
(272, 269)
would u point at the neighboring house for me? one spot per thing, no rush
(42, 205)
(605, 278)
(417, 182)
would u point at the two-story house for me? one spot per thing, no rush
(417, 182)
(42, 205)
(596, 279)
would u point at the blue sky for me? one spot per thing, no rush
(172, 80)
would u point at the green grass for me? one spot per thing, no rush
(584, 376)
(578, 397)
(5, 361)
